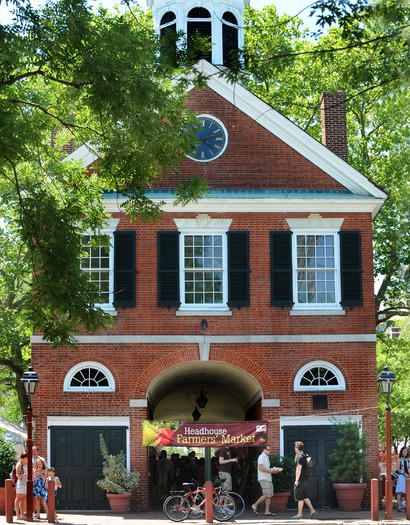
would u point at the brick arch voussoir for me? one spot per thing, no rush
(167, 361)
(250, 367)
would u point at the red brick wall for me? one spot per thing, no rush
(254, 158)
(333, 118)
(260, 317)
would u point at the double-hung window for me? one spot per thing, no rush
(95, 261)
(316, 274)
(111, 266)
(316, 267)
(203, 263)
(204, 270)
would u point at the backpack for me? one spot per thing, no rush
(13, 475)
(310, 465)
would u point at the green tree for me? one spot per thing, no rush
(292, 76)
(67, 74)
(394, 353)
(70, 77)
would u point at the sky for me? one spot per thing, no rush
(290, 7)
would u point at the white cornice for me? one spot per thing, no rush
(266, 205)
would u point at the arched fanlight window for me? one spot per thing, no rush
(168, 23)
(89, 377)
(230, 43)
(199, 23)
(319, 375)
(168, 35)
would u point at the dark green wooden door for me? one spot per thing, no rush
(319, 442)
(76, 456)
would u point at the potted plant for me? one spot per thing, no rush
(7, 462)
(282, 482)
(350, 468)
(118, 481)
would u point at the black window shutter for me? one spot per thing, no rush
(238, 269)
(168, 269)
(351, 268)
(124, 269)
(281, 268)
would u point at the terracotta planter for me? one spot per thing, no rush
(119, 503)
(279, 502)
(349, 495)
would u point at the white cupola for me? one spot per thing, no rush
(222, 22)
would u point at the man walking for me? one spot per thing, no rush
(301, 482)
(265, 480)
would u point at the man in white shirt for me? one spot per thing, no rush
(265, 472)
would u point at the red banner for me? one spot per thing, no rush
(180, 434)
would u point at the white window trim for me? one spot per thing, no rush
(315, 364)
(203, 225)
(110, 226)
(316, 225)
(92, 389)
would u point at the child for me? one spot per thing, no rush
(51, 476)
(39, 486)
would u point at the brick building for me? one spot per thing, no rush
(260, 295)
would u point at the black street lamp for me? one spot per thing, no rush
(30, 380)
(386, 382)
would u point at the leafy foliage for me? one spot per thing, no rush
(349, 458)
(290, 72)
(7, 459)
(117, 479)
(283, 482)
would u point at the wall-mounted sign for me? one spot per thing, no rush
(232, 434)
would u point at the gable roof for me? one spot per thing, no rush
(288, 132)
(360, 193)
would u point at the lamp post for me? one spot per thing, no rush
(386, 382)
(30, 380)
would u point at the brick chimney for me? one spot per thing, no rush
(333, 119)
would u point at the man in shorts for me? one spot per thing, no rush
(265, 472)
(301, 482)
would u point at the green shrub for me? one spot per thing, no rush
(7, 459)
(117, 478)
(283, 482)
(349, 458)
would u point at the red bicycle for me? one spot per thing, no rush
(191, 502)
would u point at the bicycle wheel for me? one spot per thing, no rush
(239, 503)
(176, 508)
(224, 507)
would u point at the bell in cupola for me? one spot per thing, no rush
(219, 23)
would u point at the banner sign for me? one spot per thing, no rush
(182, 434)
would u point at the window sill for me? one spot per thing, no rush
(318, 312)
(203, 313)
(108, 309)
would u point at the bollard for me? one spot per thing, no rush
(209, 507)
(9, 501)
(374, 495)
(51, 501)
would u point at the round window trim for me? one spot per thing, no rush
(298, 387)
(216, 123)
(86, 365)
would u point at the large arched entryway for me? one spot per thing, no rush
(232, 395)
